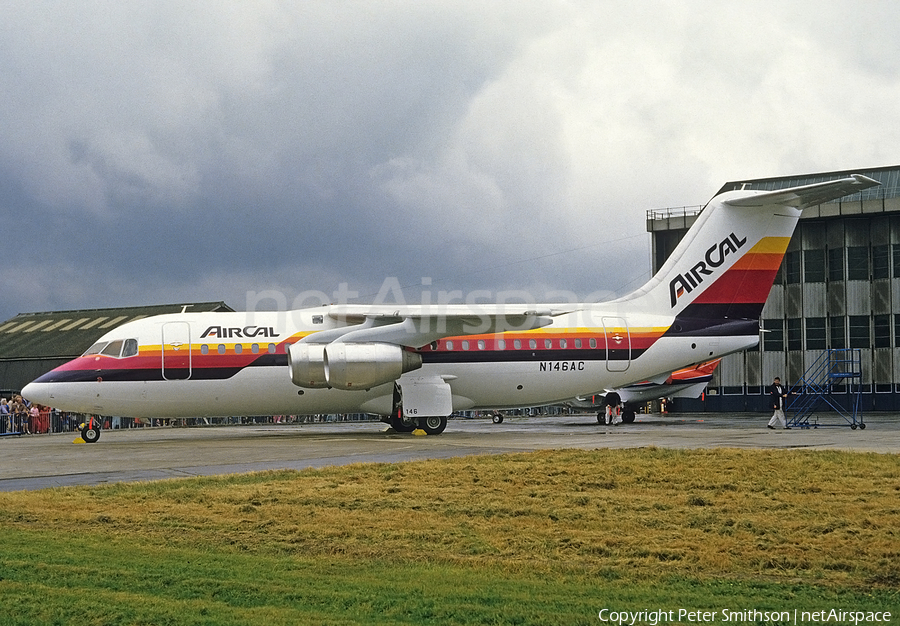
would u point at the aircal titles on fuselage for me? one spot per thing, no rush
(247, 332)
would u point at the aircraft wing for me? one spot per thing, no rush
(417, 326)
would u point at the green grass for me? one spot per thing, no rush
(537, 538)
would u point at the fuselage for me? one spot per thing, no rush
(213, 364)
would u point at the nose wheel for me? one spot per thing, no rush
(90, 431)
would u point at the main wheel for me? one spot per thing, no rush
(628, 416)
(90, 434)
(403, 424)
(433, 425)
(497, 418)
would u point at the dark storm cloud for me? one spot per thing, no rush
(162, 152)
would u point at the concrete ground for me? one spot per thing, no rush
(40, 461)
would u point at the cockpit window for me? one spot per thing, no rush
(118, 348)
(114, 348)
(130, 349)
(96, 348)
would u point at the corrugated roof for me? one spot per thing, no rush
(66, 334)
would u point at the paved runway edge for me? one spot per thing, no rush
(44, 461)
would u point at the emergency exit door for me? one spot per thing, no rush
(176, 351)
(618, 344)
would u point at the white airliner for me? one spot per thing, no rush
(415, 365)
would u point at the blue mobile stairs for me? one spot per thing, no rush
(834, 367)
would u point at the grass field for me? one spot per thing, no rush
(537, 538)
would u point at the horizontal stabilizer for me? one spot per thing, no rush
(807, 195)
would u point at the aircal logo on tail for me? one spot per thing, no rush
(715, 257)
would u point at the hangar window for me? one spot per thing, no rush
(836, 264)
(773, 337)
(859, 331)
(792, 267)
(794, 334)
(882, 327)
(857, 263)
(838, 332)
(815, 333)
(881, 263)
(814, 266)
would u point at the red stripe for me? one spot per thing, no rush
(739, 286)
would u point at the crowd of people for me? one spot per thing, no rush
(21, 416)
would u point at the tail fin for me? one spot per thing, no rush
(725, 265)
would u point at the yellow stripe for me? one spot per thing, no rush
(771, 245)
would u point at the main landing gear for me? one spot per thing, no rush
(431, 425)
(627, 415)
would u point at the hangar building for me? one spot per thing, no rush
(838, 287)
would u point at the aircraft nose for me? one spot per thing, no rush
(37, 393)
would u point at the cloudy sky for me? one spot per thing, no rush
(263, 153)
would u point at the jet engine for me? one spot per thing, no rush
(349, 366)
(307, 363)
(364, 365)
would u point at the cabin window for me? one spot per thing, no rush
(221, 348)
(271, 348)
(578, 343)
(238, 348)
(548, 343)
(481, 344)
(593, 342)
(449, 345)
(501, 344)
(532, 343)
(517, 344)
(254, 348)
(562, 344)
(465, 345)
(204, 349)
